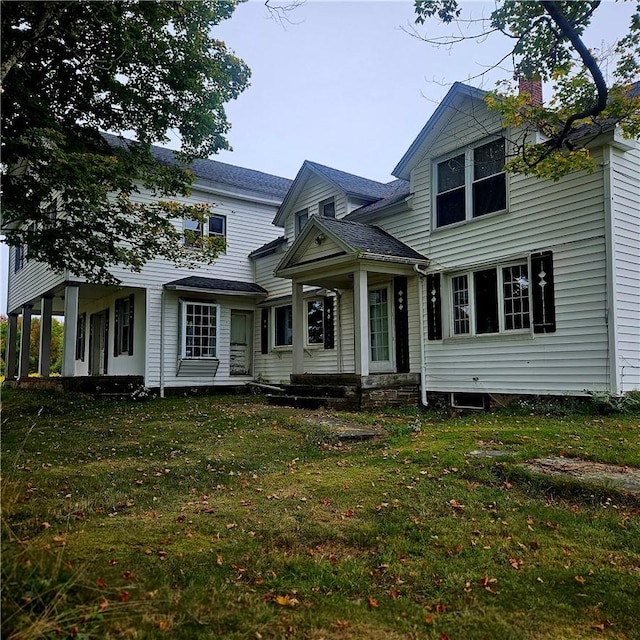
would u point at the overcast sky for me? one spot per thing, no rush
(346, 84)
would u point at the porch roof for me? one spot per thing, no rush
(216, 285)
(353, 241)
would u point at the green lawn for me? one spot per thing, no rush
(222, 517)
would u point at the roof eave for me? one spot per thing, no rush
(217, 292)
(403, 168)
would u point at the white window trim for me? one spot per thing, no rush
(183, 329)
(296, 220)
(502, 332)
(313, 345)
(468, 184)
(324, 202)
(274, 332)
(203, 227)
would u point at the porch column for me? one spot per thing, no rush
(25, 342)
(361, 321)
(44, 360)
(70, 329)
(297, 320)
(11, 359)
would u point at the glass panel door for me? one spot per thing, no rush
(380, 330)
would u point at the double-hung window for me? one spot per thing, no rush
(124, 313)
(199, 329)
(315, 322)
(328, 208)
(301, 218)
(470, 184)
(195, 230)
(494, 300)
(284, 326)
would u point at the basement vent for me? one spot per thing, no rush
(468, 401)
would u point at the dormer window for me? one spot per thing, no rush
(470, 184)
(328, 208)
(301, 218)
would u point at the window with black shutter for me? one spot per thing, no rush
(434, 307)
(543, 292)
(123, 332)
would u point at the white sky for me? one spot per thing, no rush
(345, 85)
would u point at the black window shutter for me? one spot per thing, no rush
(434, 307)
(401, 323)
(329, 324)
(544, 310)
(91, 339)
(131, 309)
(264, 331)
(116, 327)
(106, 340)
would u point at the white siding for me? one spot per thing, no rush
(567, 218)
(314, 191)
(626, 241)
(30, 282)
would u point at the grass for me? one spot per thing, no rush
(212, 517)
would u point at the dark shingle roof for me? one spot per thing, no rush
(268, 248)
(215, 284)
(399, 190)
(369, 239)
(220, 172)
(351, 184)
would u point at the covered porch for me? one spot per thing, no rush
(375, 282)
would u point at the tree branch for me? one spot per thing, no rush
(51, 12)
(590, 63)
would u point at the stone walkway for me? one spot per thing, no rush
(626, 478)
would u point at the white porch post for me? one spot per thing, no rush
(361, 321)
(44, 361)
(11, 360)
(25, 340)
(70, 329)
(297, 310)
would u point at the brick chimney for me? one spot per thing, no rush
(533, 87)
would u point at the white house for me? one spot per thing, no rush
(454, 279)
(168, 326)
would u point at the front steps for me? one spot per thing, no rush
(348, 392)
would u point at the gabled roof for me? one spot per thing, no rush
(269, 248)
(401, 191)
(416, 151)
(348, 183)
(220, 172)
(216, 285)
(369, 240)
(356, 240)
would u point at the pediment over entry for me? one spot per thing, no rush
(330, 241)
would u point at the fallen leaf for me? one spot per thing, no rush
(341, 624)
(579, 579)
(286, 601)
(428, 619)
(101, 583)
(103, 605)
(373, 603)
(124, 596)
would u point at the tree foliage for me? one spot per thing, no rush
(57, 335)
(74, 69)
(548, 45)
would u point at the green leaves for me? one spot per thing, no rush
(72, 70)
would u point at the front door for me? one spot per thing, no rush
(240, 357)
(381, 355)
(98, 339)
